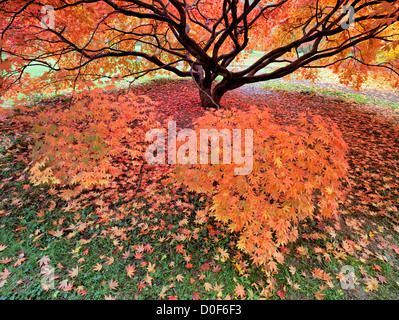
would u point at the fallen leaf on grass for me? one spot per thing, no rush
(130, 270)
(74, 272)
(98, 267)
(319, 295)
(179, 278)
(239, 290)
(207, 286)
(113, 284)
(110, 261)
(148, 279)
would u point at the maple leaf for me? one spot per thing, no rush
(2, 283)
(138, 255)
(110, 261)
(239, 291)
(5, 260)
(180, 237)
(319, 295)
(371, 284)
(141, 286)
(98, 267)
(180, 248)
(148, 279)
(381, 279)
(218, 287)
(223, 254)
(148, 248)
(216, 269)
(151, 267)
(109, 297)
(65, 286)
(113, 284)
(74, 272)
(195, 296)
(179, 278)
(82, 291)
(292, 269)
(126, 255)
(130, 270)
(162, 294)
(40, 214)
(296, 286)
(376, 267)
(75, 251)
(207, 286)
(205, 267)
(278, 162)
(56, 233)
(272, 266)
(3, 247)
(321, 274)
(43, 261)
(281, 292)
(19, 261)
(302, 250)
(46, 286)
(5, 274)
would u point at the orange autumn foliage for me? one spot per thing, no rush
(89, 142)
(297, 172)
(115, 40)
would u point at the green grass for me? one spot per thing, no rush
(26, 235)
(336, 94)
(26, 220)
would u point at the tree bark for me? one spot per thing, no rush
(211, 95)
(209, 99)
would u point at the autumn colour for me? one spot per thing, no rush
(196, 149)
(82, 41)
(209, 184)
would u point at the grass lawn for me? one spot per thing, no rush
(92, 260)
(333, 93)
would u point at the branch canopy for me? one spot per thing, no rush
(81, 41)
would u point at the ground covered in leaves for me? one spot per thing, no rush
(153, 243)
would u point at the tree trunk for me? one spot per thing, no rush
(209, 99)
(211, 96)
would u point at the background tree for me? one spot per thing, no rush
(202, 39)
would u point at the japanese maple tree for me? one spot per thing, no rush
(297, 174)
(78, 41)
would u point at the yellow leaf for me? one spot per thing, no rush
(278, 162)
(207, 286)
(151, 267)
(131, 270)
(74, 272)
(110, 261)
(148, 279)
(179, 278)
(98, 267)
